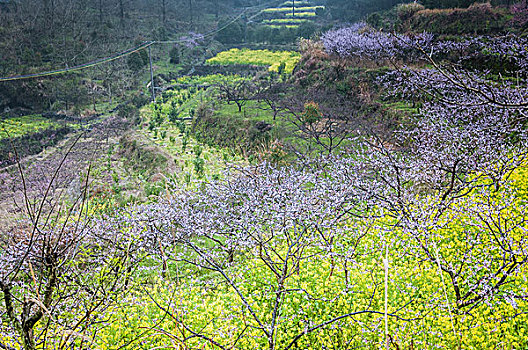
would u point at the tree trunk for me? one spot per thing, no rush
(191, 12)
(163, 11)
(100, 11)
(27, 338)
(122, 12)
(216, 9)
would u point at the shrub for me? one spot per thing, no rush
(174, 55)
(130, 112)
(406, 11)
(477, 19)
(137, 60)
(311, 113)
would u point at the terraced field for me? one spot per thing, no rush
(273, 59)
(290, 14)
(20, 126)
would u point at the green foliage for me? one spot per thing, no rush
(354, 10)
(281, 68)
(458, 3)
(199, 166)
(311, 113)
(231, 32)
(131, 112)
(306, 30)
(197, 150)
(137, 60)
(198, 80)
(145, 159)
(173, 113)
(139, 100)
(20, 126)
(157, 117)
(477, 19)
(185, 141)
(174, 55)
(406, 11)
(154, 188)
(190, 159)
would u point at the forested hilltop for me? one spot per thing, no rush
(308, 174)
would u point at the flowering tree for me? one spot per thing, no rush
(323, 126)
(258, 235)
(449, 177)
(441, 195)
(57, 270)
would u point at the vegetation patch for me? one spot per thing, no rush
(287, 9)
(30, 144)
(272, 59)
(142, 156)
(20, 126)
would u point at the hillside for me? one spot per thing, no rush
(219, 175)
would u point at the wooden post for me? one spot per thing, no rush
(153, 97)
(386, 266)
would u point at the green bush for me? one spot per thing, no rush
(130, 112)
(174, 55)
(477, 19)
(137, 60)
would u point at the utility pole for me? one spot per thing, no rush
(151, 76)
(293, 7)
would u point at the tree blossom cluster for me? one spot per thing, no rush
(192, 39)
(279, 218)
(442, 192)
(520, 11)
(506, 48)
(51, 268)
(453, 86)
(359, 40)
(55, 261)
(362, 41)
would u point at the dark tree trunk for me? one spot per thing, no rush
(163, 11)
(191, 12)
(122, 12)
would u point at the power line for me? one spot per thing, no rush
(211, 33)
(125, 53)
(81, 66)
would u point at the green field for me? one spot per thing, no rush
(271, 59)
(20, 126)
(288, 9)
